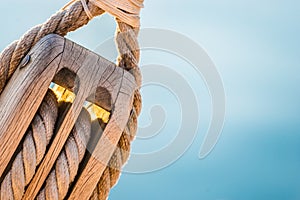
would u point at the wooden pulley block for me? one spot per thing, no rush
(91, 78)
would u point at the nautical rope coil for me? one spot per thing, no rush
(40, 133)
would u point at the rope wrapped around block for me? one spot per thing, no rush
(38, 137)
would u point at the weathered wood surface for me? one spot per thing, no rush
(25, 91)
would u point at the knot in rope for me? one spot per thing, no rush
(127, 11)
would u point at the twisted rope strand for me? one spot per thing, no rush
(34, 149)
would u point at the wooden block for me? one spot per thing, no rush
(25, 91)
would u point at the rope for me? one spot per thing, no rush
(67, 163)
(33, 150)
(62, 175)
(112, 172)
(129, 55)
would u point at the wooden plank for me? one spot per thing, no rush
(24, 93)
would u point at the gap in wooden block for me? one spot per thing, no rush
(65, 85)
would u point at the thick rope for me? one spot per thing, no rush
(61, 23)
(120, 156)
(34, 148)
(67, 163)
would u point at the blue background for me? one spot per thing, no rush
(255, 46)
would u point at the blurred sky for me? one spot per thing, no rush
(255, 46)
